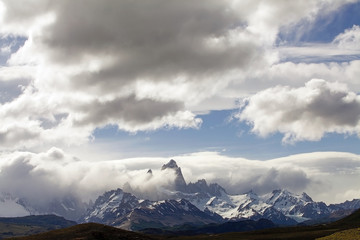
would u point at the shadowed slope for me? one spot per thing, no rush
(24, 226)
(88, 231)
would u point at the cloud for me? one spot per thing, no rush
(50, 175)
(350, 39)
(305, 113)
(54, 174)
(131, 114)
(138, 65)
(124, 65)
(345, 47)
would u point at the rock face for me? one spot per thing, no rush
(180, 184)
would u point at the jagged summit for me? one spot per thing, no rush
(149, 172)
(180, 184)
(171, 164)
(306, 197)
(201, 186)
(281, 191)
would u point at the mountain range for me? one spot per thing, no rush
(201, 203)
(194, 204)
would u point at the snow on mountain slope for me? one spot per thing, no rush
(241, 207)
(169, 213)
(121, 209)
(10, 207)
(111, 206)
(280, 206)
(347, 205)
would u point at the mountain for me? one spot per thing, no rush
(168, 213)
(280, 206)
(299, 207)
(347, 205)
(121, 209)
(242, 207)
(112, 207)
(179, 184)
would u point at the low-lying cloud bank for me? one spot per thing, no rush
(326, 176)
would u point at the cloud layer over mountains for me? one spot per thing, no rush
(54, 174)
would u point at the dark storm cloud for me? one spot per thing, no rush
(127, 109)
(157, 40)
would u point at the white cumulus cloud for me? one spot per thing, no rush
(305, 113)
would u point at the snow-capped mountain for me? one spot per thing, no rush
(280, 206)
(121, 209)
(241, 207)
(299, 207)
(112, 207)
(347, 205)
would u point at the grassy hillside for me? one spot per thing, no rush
(24, 226)
(353, 234)
(12, 230)
(88, 231)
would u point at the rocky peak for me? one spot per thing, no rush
(180, 184)
(201, 186)
(279, 195)
(306, 197)
(171, 164)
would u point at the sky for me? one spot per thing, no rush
(271, 87)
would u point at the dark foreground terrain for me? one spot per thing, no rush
(88, 231)
(24, 226)
(346, 227)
